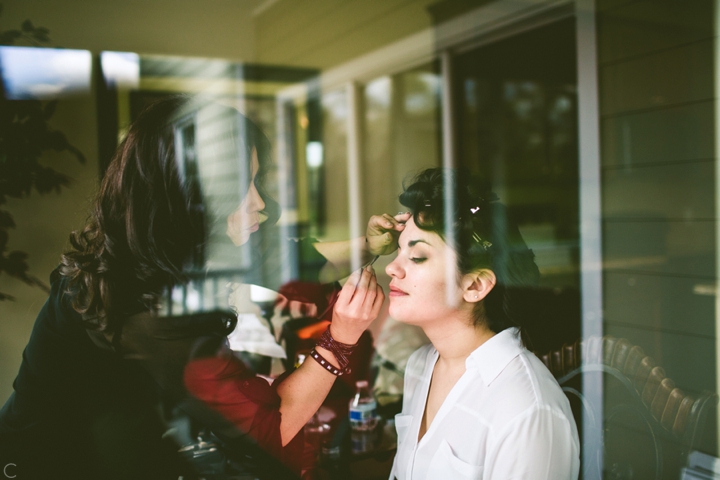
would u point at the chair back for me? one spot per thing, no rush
(649, 424)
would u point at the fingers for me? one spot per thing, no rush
(381, 240)
(396, 222)
(369, 298)
(383, 232)
(381, 223)
(379, 299)
(358, 305)
(402, 218)
(348, 289)
(370, 293)
(296, 309)
(357, 287)
(366, 275)
(388, 220)
(375, 225)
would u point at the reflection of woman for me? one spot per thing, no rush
(80, 403)
(477, 403)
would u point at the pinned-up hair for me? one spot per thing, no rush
(480, 233)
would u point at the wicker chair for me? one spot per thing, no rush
(665, 420)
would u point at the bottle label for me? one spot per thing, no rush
(362, 412)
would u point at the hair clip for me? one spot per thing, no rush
(474, 210)
(483, 243)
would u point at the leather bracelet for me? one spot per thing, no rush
(341, 351)
(327, 365)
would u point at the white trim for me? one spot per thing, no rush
(717, 212)
(354, 159)
(448, 110)
(590, 222)
(449, 160)
(285, 194)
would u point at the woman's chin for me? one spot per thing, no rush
(239, 239)
(245, 239)
(397, 314)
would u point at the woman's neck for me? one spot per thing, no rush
(455, 339)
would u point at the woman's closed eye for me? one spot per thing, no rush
(417, 259)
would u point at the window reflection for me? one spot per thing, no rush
(517, 99)
(44, 73)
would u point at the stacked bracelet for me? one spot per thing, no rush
(327, 365)
(341, 351)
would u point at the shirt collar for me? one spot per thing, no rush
(490, 358)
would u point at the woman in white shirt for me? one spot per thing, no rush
(477, 404)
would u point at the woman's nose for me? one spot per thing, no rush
(255, 202)
(393, 269)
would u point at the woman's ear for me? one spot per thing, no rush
(477, 285)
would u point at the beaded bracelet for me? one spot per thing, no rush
(341, 351)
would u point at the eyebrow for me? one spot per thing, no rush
(412, 243)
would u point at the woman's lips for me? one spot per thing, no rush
(396, 292)
(254, 227)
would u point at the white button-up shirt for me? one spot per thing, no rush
(506, 418)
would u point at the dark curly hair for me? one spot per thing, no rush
(482, 236)
(147, 224)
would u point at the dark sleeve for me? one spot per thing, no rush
(53, 365)
(249, 402)
(75, 406)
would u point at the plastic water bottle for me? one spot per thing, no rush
(363, 408)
